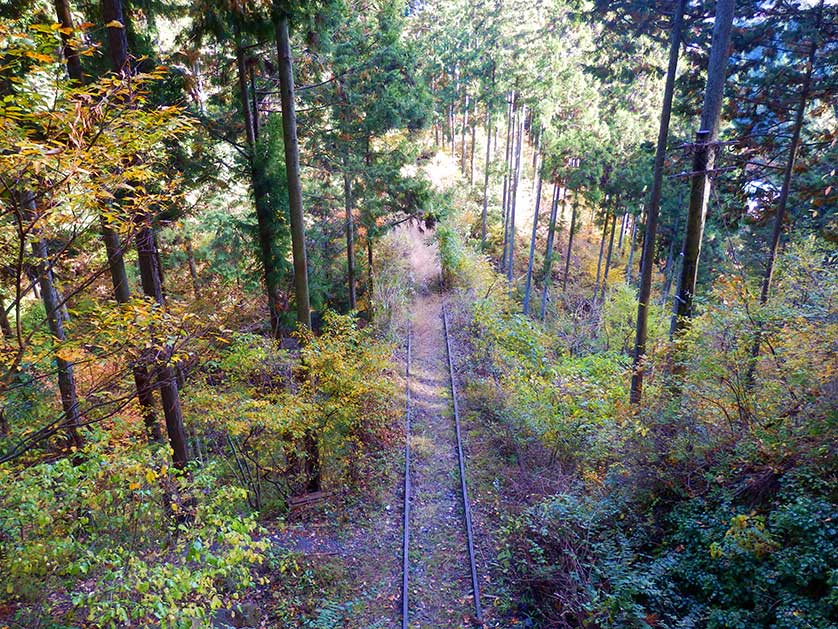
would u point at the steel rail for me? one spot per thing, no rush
(478, 610)
(407, 487)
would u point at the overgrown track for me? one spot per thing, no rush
(478, 611)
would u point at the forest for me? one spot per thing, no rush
(323, 314)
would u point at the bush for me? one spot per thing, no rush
(122, 538)
(259, 403)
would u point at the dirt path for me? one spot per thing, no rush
(440, 588)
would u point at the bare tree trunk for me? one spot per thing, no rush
(779, 219)
(608, 257)
(5, 326)
(71, 56)
(254, 102)
(350, 238)
(647, 258)
(669, 269)
(484, 215)
(601, 252)
(528, 286)
(535, 152)
(622, 231)
(369, 266)
(169, 395)
(704, 159)
(630, 263)
(510, 266)
(193, 269)
(473, 146)
(292, 167)
(548, 254)
(451, 130)
(507, 175)
(569, 246)
(295, 197)
(463, 133)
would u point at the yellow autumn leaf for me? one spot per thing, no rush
(37, 56)
(114, 24)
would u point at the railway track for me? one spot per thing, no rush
(478, 610)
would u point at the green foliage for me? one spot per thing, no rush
(126, 537)
(619, 319)
(718, 563)
(258, 404)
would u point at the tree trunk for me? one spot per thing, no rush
(463, 133)
(292, 167)
(647, 257)
(350, 238)
(52, 306)
(608, 257)
(528, 286)
(452, 132)
(548, 253)
(484, 215)
(113, 244)
(117, 36)
(369, 267)
(703, 160)
(193, 269)
(71, 57)
(630, 263)
(669, 269)
(510, 258)
(5, 326)
(622, 231)
(599, 259)
(471, 156)
(569, 246)
(265, 216)
(777, 232)
(295, 198)
(151, 279)
(507, 174)
(312, 463)
(254, 102)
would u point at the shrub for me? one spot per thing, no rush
(123, 539)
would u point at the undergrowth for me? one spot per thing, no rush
(713, 505)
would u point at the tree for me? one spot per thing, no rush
(548, 256)
(113, 245)
(704, 159)
(53, 303)
(647, 257)
(148, 256)
(292, 165)
(779, 219)
(528, 287)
